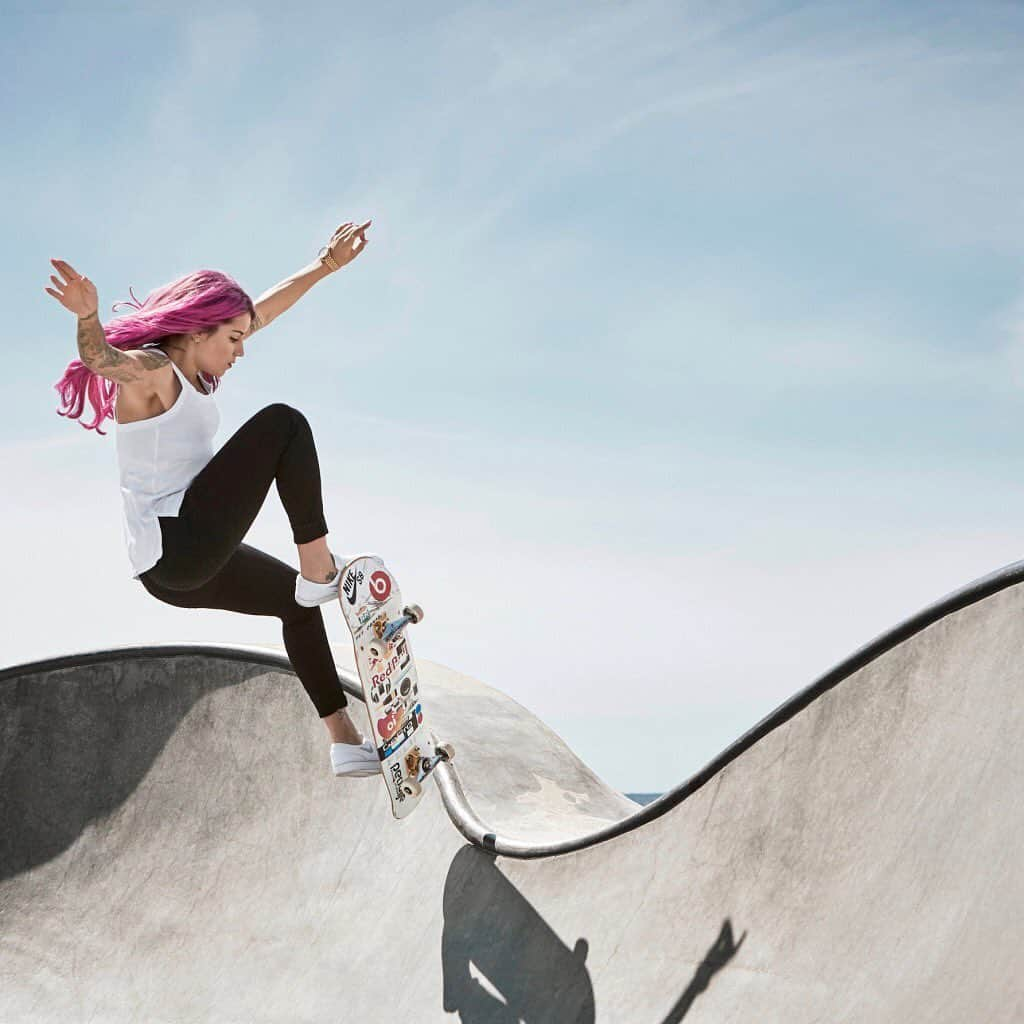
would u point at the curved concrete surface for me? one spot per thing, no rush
(175, 849)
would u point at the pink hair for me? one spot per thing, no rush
(200, 301)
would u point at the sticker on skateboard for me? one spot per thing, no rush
(372, 606)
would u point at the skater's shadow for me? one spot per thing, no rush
(722, 950)
(504, 964)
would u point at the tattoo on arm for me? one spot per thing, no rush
(102, 358)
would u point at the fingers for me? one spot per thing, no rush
(69, 279)
(65, 269)
(349, 228)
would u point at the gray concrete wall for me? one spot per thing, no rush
(174, 848)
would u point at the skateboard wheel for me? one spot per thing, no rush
(411, 787)
(445, 751)
(414, 611)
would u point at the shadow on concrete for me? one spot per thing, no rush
(75, 743)
(502, 962)
(722, 950)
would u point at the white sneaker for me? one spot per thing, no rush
(309, 593)
(358, 760)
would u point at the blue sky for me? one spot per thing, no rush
(686, 355)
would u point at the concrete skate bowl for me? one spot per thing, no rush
(175, 849)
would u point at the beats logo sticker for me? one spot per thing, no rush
(380, 586)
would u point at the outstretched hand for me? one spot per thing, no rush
(348, 242)
(76, 293)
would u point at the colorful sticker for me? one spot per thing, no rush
(411, 724)
(380, 585)
(389, 724)
(349, 586)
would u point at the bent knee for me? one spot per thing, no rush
(283, 413)
(280, 410)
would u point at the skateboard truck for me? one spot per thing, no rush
(419, 767)
(410, 613)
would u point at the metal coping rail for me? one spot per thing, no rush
(453, 796)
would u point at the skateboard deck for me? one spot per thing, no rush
(378, 621)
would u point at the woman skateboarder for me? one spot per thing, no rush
(185, 509)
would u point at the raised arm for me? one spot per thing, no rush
(101, 357)
(274, 301)
(346, 243)
(78, 294)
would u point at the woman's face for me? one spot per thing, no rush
(222, 346)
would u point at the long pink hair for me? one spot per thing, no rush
(200, 301)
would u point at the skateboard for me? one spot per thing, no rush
(378, 621)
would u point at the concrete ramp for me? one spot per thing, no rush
(174, 848)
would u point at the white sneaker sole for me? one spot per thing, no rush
(309, 594)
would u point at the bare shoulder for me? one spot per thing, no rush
(143, 399)
(150, 358)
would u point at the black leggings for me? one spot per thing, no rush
(205, 564)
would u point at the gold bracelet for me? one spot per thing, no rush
(329, 261)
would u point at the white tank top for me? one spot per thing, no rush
(158, 458)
